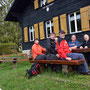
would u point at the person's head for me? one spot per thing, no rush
(62, 34)
(52, 36)
(73, 38)
(36, 41)
(86, 37)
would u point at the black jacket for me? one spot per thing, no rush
(51, 45)
(86, 44)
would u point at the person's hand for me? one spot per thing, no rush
(45, 49)
(81, 47)
(57, 55)
(56, 39)
(86, 47)
(70, 49)
(68, 58)
(75, 47)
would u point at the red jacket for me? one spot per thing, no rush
(63, 49)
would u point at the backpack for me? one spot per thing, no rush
(35, 69)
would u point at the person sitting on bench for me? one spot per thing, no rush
(66, 54)
(52, 52)
(38, 50)
(51, 45)
(73, 44)
(86, 45)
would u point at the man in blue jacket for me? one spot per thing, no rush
(73, 44)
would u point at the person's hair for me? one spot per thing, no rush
(73, 35)
(52, 33)
(86, 35)
(36, 39)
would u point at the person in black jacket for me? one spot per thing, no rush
(51, 48)
(86, 44)
(52, 52)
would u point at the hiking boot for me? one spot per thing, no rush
(86, 73)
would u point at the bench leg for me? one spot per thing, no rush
(0, 62)
(42, 67)
(14, 64)
(66, 68)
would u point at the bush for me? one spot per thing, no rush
(8, 48)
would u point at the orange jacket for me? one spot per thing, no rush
(37, 50)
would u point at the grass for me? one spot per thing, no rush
(15, 79)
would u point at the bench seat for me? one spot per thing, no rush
(72, 62)
(66, 65)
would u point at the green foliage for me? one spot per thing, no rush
(10, 32)
(8, 48)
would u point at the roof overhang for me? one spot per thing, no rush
(16, 9)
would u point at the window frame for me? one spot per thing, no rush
(41, 4)
(75, 20)
(33, 32)
(51, 24)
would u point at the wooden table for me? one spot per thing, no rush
(84, 51)
(78, 50)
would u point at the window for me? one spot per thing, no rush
(31, 33)
(49, 28)
(75, 22)
(43, 2)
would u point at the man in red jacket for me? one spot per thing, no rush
(65, 53)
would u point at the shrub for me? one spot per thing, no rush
(8, 48)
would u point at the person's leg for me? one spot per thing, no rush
(41, 57)
(51, 57)
(89, 58)
(78, 56)
(54, 67)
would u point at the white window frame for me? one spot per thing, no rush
(31, 30)
(75, 19)
(50, 25)
(43, 2)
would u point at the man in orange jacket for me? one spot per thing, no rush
(65, 53)
(38, 50)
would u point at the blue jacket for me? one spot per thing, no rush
(72, 44)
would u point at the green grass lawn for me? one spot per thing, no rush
(15, 79)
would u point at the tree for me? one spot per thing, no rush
(10, 32)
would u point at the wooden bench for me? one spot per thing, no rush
(66, 65)
(14, 60)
